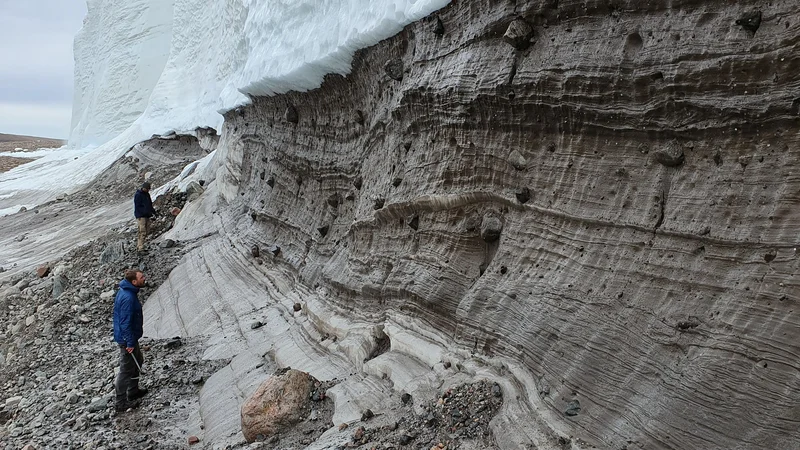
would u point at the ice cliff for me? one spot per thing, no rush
(593, 203)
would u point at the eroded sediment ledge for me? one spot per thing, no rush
(642, 162)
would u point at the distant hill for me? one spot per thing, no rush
(19, 138)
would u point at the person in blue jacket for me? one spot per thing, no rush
(143, 211)
(128, 320)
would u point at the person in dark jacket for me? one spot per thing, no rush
(144, 212)
(128, 320)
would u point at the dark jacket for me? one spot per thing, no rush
(128, 317)
(142, 205)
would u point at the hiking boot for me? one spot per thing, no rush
(124, 406)
(137, 395)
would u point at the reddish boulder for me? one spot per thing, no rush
(277, 404)
(43, 271)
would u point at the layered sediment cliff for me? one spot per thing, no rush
(593, 202)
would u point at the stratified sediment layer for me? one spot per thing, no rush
(599, 208)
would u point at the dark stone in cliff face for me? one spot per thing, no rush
(491, 227)
(751, 21)
(413, 222)
(670, 155)
(358, 182)
(291, 115)
(379, 202)
(394, 68)
(323, 231)
(523, 195)
(519, 34)
(396, 182)
(271, 182)
(358, 117)
(254, 252)
(334, 200)
(517, 161)
(573, 408)
(438, 27)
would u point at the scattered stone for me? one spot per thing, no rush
(523, 195)
(394, 69)
(771, 255)
(256, 325)
(277, 404)
(173, 343)
(12, 402)
(496, 390)
(275, 250)
(343, 426)
(491, 228)
(750, 21)
(404, 439)
(43, 271)
(112, 253)
(167, 243)
(291, 115)
(107, 295)
(175, 211)
(368, 414)
(193, 440)
(98, 405)
(297, 307)
(519, 34)
(405, 398)
(670, 155)
(60, 284)
(573, 408)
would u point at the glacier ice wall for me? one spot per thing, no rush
(120, 54)
(174, 65)
(148, 67)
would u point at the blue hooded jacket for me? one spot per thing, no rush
(128, 317)
(142, 205)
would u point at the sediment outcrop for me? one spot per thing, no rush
(592, 204)
(591, 200)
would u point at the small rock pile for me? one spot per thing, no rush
(458, 418)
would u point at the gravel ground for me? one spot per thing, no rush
(58, 361)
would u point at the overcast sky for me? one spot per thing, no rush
(36, 65)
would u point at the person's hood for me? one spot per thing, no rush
(128, 286)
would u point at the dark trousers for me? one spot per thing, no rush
(127, 383)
